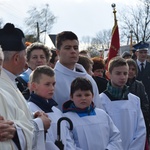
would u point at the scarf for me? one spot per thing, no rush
(45, 105)
(116, 92)
(81, 112)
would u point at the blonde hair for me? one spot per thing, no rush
(35, 76)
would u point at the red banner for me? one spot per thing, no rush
(115, 43)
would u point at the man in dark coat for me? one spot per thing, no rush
(143, 66)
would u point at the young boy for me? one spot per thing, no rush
(124, 107)
(42, 82)
(93, 129)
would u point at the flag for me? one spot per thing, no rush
(45, 39)
(115, 41)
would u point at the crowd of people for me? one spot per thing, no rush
(40, 86)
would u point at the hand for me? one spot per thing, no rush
(39, 114)
(45, 119)
(7, 129)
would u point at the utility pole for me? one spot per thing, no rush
(131, 44)
(38, 32)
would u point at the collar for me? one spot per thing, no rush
(45, 105)
(64, 70)
(74, 69)
(28, 71)
(11, 76)
(69, 106)
(117, 93)
(25, 75)
(139, 63)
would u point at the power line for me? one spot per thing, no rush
(11, 12)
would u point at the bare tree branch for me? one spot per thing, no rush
(137, 20)
(43, 17)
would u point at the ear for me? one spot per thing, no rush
(107, 74)
(92, 95)
(57, 52)
(71, 97)
(16, 58)
(136, 53)
(32, 86)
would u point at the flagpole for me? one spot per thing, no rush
(115, 41)
(114, 11)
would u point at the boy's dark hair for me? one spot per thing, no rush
(38, 45)
(63, 36)
(98, 63)
(85, 62)
(82, 84)
(116, 62)
(131, 62)
(44, 69)
(83, 52)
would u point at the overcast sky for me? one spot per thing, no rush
(84, 17)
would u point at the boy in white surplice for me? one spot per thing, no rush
(124, 107)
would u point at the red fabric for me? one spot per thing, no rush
(146, 145)
(115, 43)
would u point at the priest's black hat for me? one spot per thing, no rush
(11, 38)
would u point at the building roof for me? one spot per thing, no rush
(53, 38)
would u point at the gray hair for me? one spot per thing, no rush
(9, 54)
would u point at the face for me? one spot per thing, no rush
(141, 55)
(21, 61)
(37, 58)
(82, 99)
(119, 76)
(90, 72)
(69, 53)
(132, 72)
(98, 72)
(45, 87)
